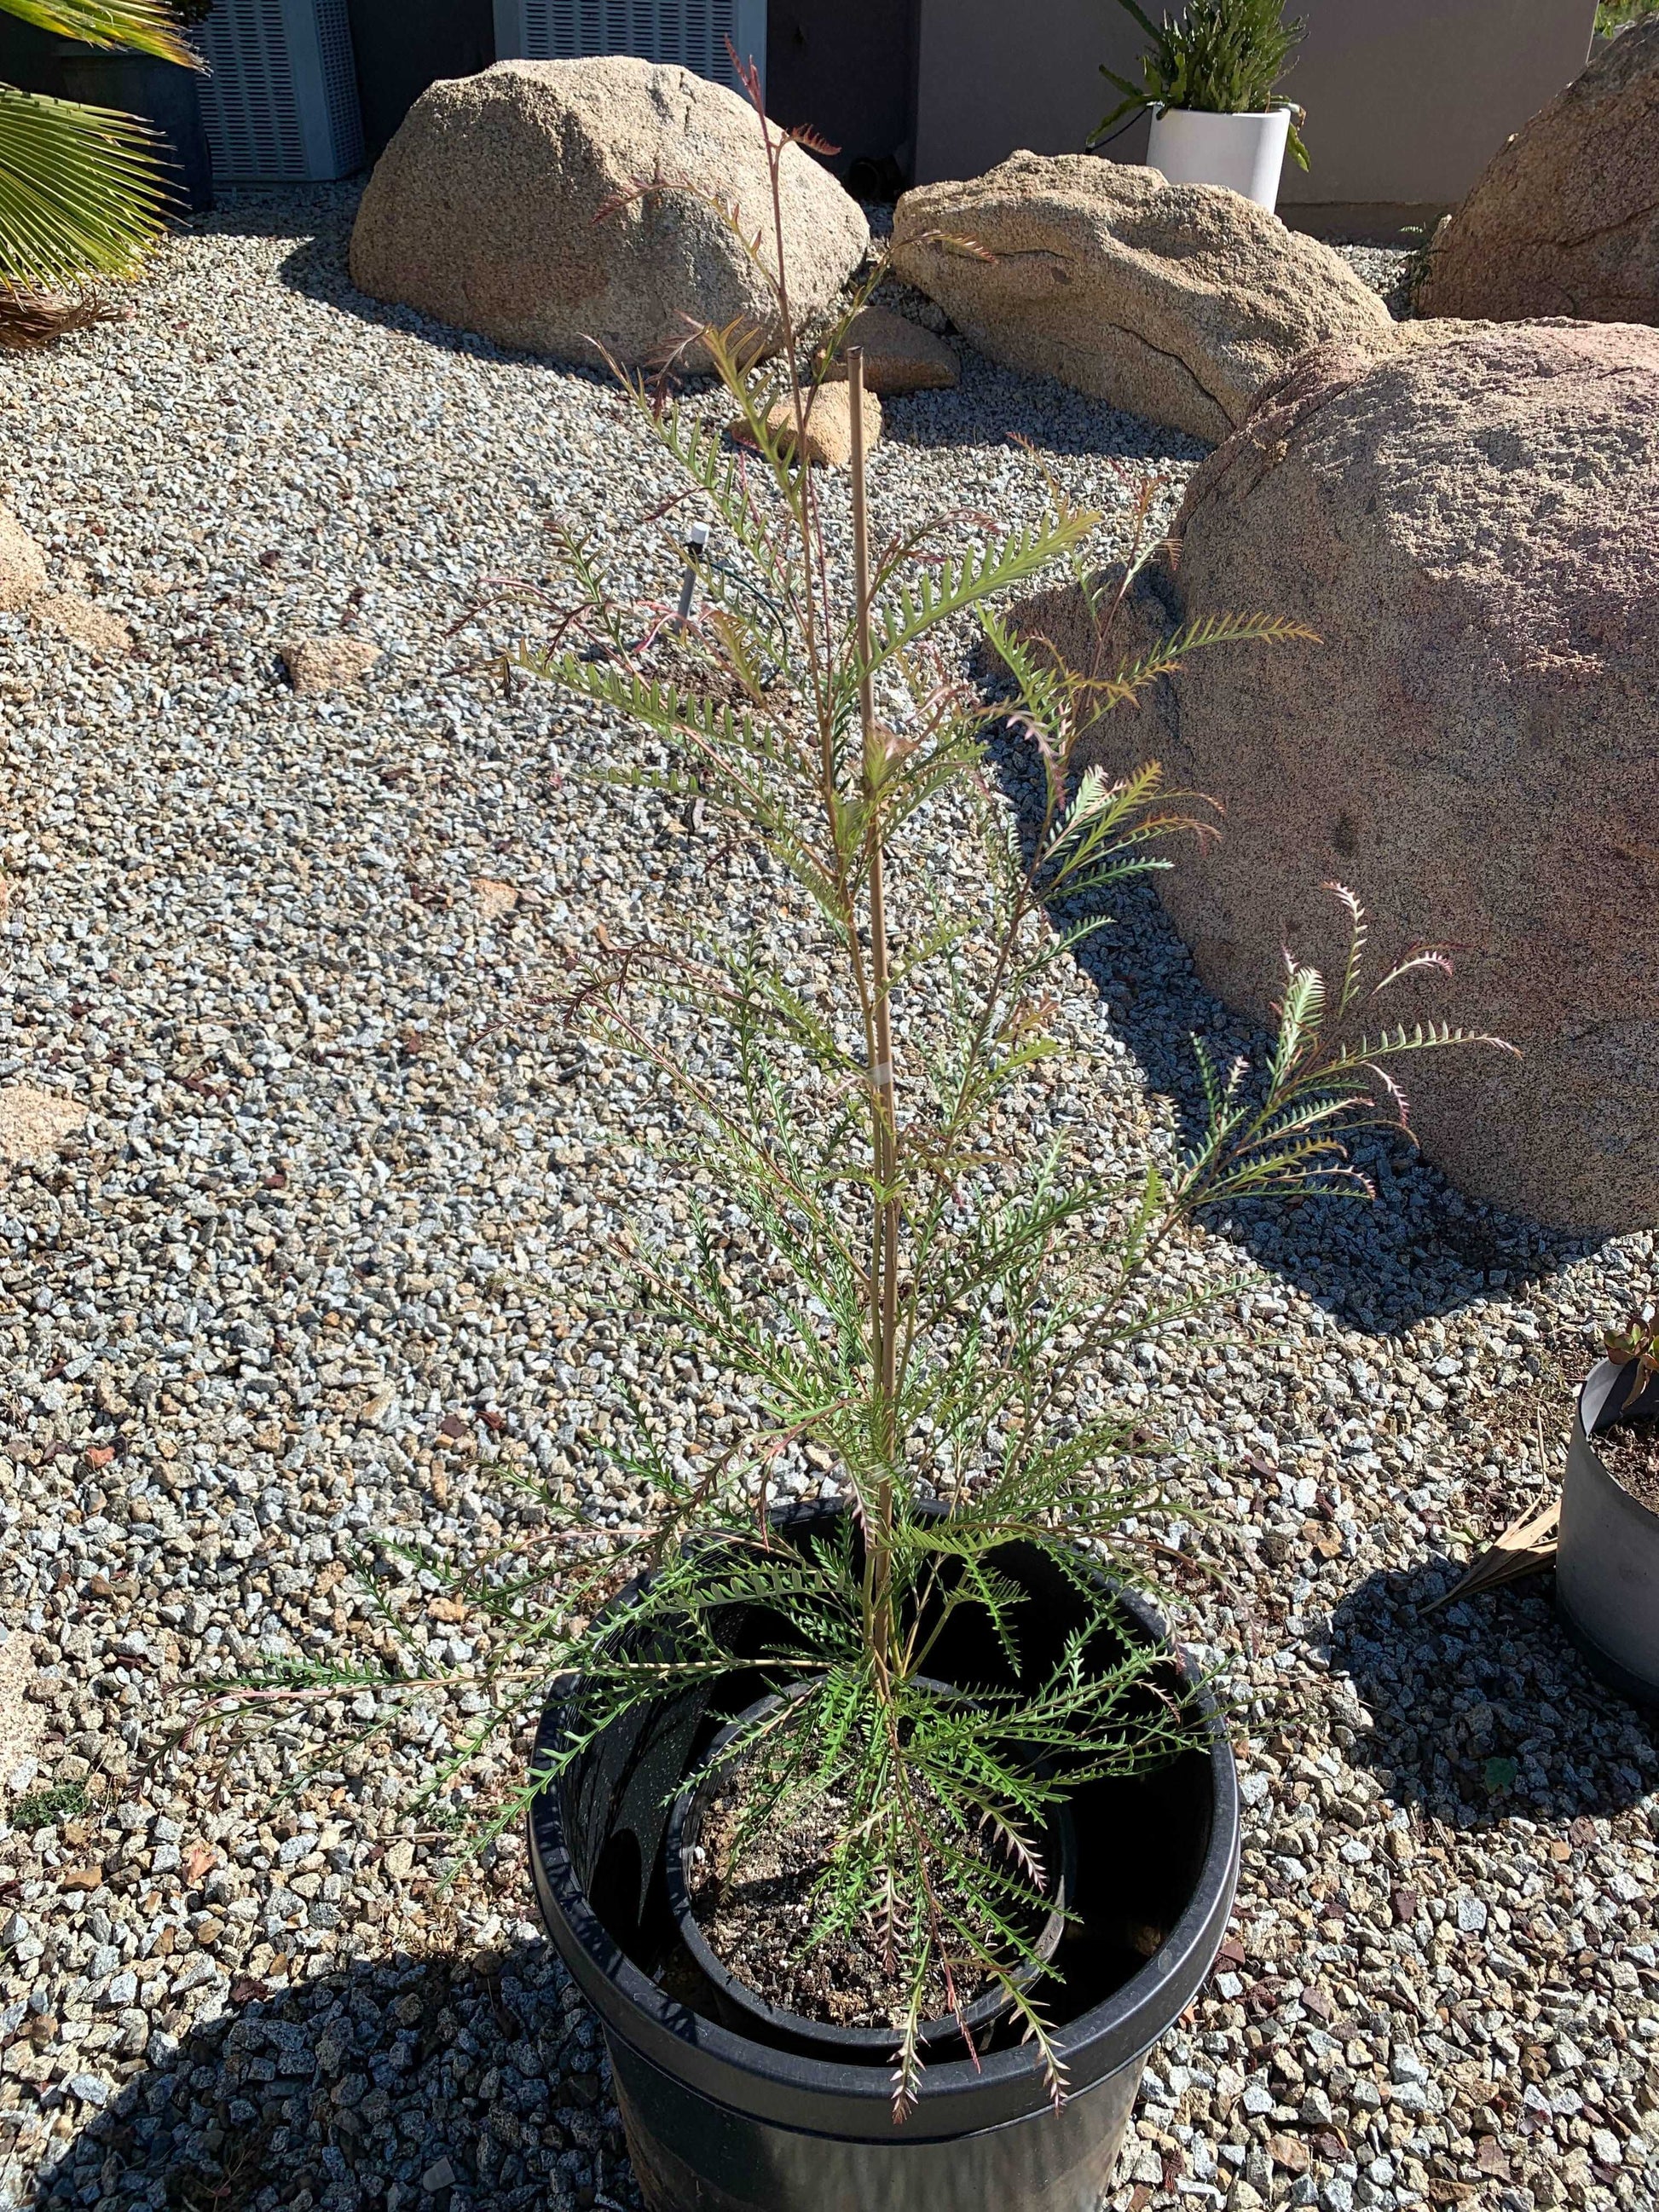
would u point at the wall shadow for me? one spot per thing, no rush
(1421, 1247)
(359, 2091)
(1484, 1710)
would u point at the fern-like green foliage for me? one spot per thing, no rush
(82, 193)
(1218, 58)
(880, 1272)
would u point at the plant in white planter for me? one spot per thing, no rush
(1606, 1554)
(1210, 82)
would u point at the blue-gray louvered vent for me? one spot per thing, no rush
(280, 104)
(693, 33)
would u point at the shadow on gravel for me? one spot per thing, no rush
(1421, 1247)
(441, 2084)
(318, 220)
(318, 269)
(1482, 1711)
(994, 405)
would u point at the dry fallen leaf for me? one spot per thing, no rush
(1526, 1546)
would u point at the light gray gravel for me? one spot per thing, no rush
(331, 1247)
(1386, 269)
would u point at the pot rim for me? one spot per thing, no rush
(1225, 114)
(875, 2043)
(1595, 1394)
(956, 2095)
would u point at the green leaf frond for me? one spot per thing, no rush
(82, 193)
(147, 27)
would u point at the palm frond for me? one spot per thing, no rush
(82, 193)
(146, 26)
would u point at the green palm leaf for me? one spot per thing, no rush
(149, 27)
(80, 192)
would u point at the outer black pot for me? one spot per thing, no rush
(160, 92)
(162, 95)
(718, 2122)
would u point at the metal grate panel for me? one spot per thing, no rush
(280, 104)
(345, 113)
(693, 33)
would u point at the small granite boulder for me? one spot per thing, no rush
(1565, 219)
(335, 663)
(75, 615)
(1173, 301)
(573, 208)
(1470, 528)
(899, 355)
(828, 425)
(22, 565)
(33, 1123)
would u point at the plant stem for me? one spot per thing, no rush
(885, 1274)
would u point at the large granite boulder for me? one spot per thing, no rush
(1471, 529)
(1565, 219)
(1173, 301)
(574, 208)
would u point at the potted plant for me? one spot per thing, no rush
(872, 1804)
(1210, 80)
(884, 1828)
(1607, 1557)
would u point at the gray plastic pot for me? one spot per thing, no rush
(1607, 1557)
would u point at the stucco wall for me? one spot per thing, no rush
(1406, 99)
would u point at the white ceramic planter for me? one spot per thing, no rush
(1245, 153)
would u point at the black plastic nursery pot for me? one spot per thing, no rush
(162, 95)
(722, 2121)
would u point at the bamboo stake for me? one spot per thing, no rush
(885, 1287)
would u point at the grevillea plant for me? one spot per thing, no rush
(888, 1280)
(1637, 1341)
(903, 1293)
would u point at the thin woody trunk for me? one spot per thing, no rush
(884, 1273)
